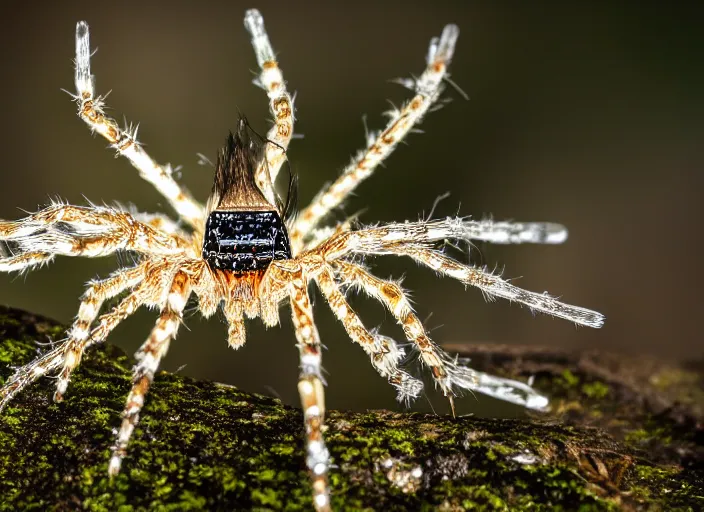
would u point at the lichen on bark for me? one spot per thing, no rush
(624, 434)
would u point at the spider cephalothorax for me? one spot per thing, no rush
(238, 254)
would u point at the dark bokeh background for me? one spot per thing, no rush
(589, 114)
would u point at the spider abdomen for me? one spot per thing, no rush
(243, 241)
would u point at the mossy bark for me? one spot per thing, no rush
(623, 435)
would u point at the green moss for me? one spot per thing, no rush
(596, 390)
(570, 379)
(203, 446)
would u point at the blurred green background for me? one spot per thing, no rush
(586, 113)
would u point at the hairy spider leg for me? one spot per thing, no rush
(158, 221)
(148, 357)
(91, 109)
(54, 359)
(411, 240)
(25, 375)
(493, 286)
(79, 333)
(427, 88)
(25, 261)
(85, 231)
(448, 373)
(459, 228)
(391, 295)
(383, 351)
(271, 79)
(310, 389)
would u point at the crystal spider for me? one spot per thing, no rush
(246, 254)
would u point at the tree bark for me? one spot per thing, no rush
(625, 433)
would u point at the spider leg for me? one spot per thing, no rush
(393, 297)
(427, 88)
(79, 335)
(385, 238)
(148, 358)
(446, 371)
(160, 222)
(25, 261)
(458, 228)
(271, 79)
(81, 231)
(91, 109)
(493, 286)
(383, 351)
(27, 374)
(412, 240)
(56, 358)
(310, 389)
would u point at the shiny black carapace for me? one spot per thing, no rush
(244, 232)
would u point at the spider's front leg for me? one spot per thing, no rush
(271, 79)
(91, 109)
(148, 358)
(428, 88)
(80, 231)
(310, 388)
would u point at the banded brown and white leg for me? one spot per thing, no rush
(458, 228)
(427, 88)
(392, 296)
(86, 231)
(27, 374)
(159, 222)
(271, 79)
(91, 302)
(448, 373)
(91, 109)
(148, 358)
(25, 261)
(310, 389)
(385, 238)
(493, 286)
(383, 351)
(54, 360)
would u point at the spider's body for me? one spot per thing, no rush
(243, 253)
(245, 240)
(244, 233)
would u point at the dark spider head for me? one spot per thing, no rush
(244, 232)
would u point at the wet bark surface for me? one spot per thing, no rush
(625, 433)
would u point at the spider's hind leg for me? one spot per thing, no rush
(383, 352)
(148, 357)
(66, 356)
(79, 334)
(447, 372)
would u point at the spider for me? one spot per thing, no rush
(244, 253)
